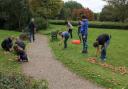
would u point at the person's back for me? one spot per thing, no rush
(66, 33)
(20, 43)
(103, 38)
(7, 44)
(31, 27)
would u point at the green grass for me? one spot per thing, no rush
(6, 60)
(117, 55)
(11, 76)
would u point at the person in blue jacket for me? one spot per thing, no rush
(84, 33)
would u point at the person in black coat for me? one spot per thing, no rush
(7, 43)
(32, 30)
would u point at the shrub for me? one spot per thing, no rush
(93, 24)
(41, 23)
(17, 81)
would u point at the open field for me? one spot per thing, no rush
(117, 57)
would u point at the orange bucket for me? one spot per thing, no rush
(75, 41)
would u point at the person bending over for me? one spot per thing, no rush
(101, 44)
(7, 43)
(22, 56)
(65, 36)
(20, 43)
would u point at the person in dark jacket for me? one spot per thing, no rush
(102, 40)
(65, 36)
(20, 43)
(22, 56)
(7, 43)
(32, 30)
(84, 33)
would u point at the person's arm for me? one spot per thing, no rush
(97, 51)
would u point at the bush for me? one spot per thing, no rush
(17, 81)
(93, 24)
(41, 23)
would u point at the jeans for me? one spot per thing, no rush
(31, 37)
(103, 50)
(65, 41)
(85, 45)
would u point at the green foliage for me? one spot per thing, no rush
(17, 81)
(77, 62)
(41, 23)
(119, 9)
(67, 10)
(107, 14)
(46, 8)
(72, 5)
(109, 25)
(14, 14)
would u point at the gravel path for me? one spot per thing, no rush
(43, 65)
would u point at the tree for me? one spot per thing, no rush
(46, 8)
(68, 8)
(14, 13)
(107, 14)
(72, 5)
(120, 8)
(83, 11)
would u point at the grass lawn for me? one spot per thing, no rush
(11, 76)
(117, 55)
(6, 60)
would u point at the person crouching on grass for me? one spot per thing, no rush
(65, 36)
(7, 44)
(102, 40)
(22, 56)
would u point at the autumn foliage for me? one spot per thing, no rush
(84, 11)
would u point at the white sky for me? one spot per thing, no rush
(94, 5)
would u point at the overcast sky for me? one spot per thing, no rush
(94, 5)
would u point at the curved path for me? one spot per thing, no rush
(43, 65)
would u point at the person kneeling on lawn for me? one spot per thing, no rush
(65, 36)
(20, 43)
(102, 40)
(7, 43)
(22, 56)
